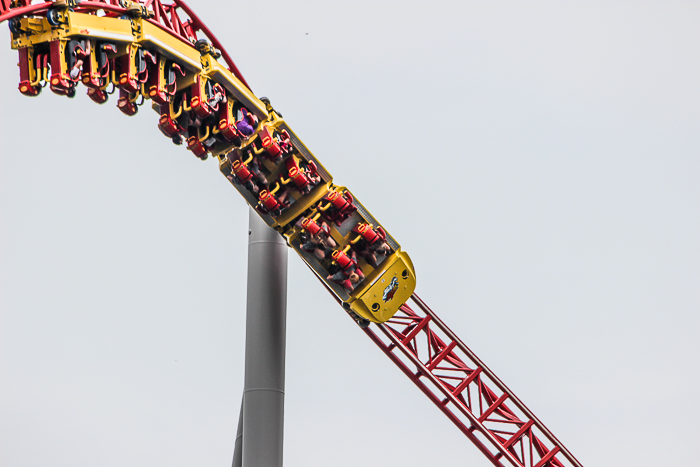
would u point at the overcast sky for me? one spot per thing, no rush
(537, 160)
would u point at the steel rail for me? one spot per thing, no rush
(511, 395)
(475, 423)
(210, 35)
(504, 446)
(438, 403)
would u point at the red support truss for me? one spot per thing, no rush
(465, 390)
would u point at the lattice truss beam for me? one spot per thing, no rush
(465, 390)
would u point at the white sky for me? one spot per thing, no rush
(538, 160)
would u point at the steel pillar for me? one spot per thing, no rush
(261, 425)
(238, 444)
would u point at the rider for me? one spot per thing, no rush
(314, 237)
(370, 243)
(349, 273)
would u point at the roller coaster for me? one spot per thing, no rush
(163, 53)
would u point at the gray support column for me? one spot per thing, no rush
(238, 444)
(263, 391)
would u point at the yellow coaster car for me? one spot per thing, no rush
(209, 107)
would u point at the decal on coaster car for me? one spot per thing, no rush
(391, 290)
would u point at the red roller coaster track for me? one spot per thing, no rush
(465, 390)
